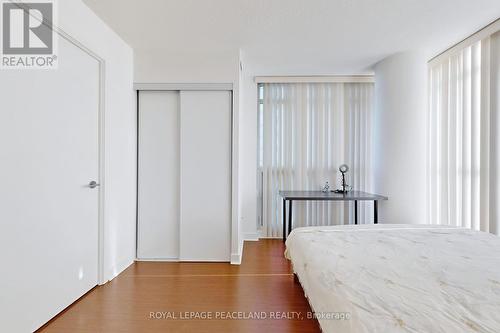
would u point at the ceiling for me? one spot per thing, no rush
(297, 37)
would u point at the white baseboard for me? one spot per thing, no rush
(117, 270)
(157, 259)
(236, 257)
(271, 237)
(251, 236)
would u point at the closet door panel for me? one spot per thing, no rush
(205, 175)
(158, 188)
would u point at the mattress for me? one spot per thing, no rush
(399, 278)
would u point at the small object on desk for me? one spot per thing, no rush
(354, 196)
(343, 170)
(326, 188)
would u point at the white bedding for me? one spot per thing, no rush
(399, 278)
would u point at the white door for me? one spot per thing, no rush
(49, 216)
(158, 215)
(205, 175)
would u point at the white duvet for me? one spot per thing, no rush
(399, 278)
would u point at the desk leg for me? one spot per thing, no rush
(290, 216)
(355, 211)
(375, 211)
(284, 219)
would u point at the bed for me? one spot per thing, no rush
(399, 278)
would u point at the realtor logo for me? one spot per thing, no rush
(27, 34)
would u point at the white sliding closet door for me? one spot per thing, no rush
(158, 190)
(205, 175)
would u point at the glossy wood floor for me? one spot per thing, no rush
(262, 283)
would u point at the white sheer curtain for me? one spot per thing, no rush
(309, 130)
(462, 138)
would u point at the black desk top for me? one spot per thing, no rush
(331, 196)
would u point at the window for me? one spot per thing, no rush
(463, 90)
(260, 124)
(260, 154)
(306, 130)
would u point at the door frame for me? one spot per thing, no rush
(229, 87)
(101, 279)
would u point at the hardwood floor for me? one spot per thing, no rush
(262, 284)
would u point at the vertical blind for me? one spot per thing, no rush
(462, 161)
(308, 131)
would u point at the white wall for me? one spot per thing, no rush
(248, 153)
(188, 65)
(76, 19)
(399, 137)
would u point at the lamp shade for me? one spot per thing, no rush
(343, 168)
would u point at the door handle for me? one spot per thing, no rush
(93, 184)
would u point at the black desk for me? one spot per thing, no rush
(355, 196)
